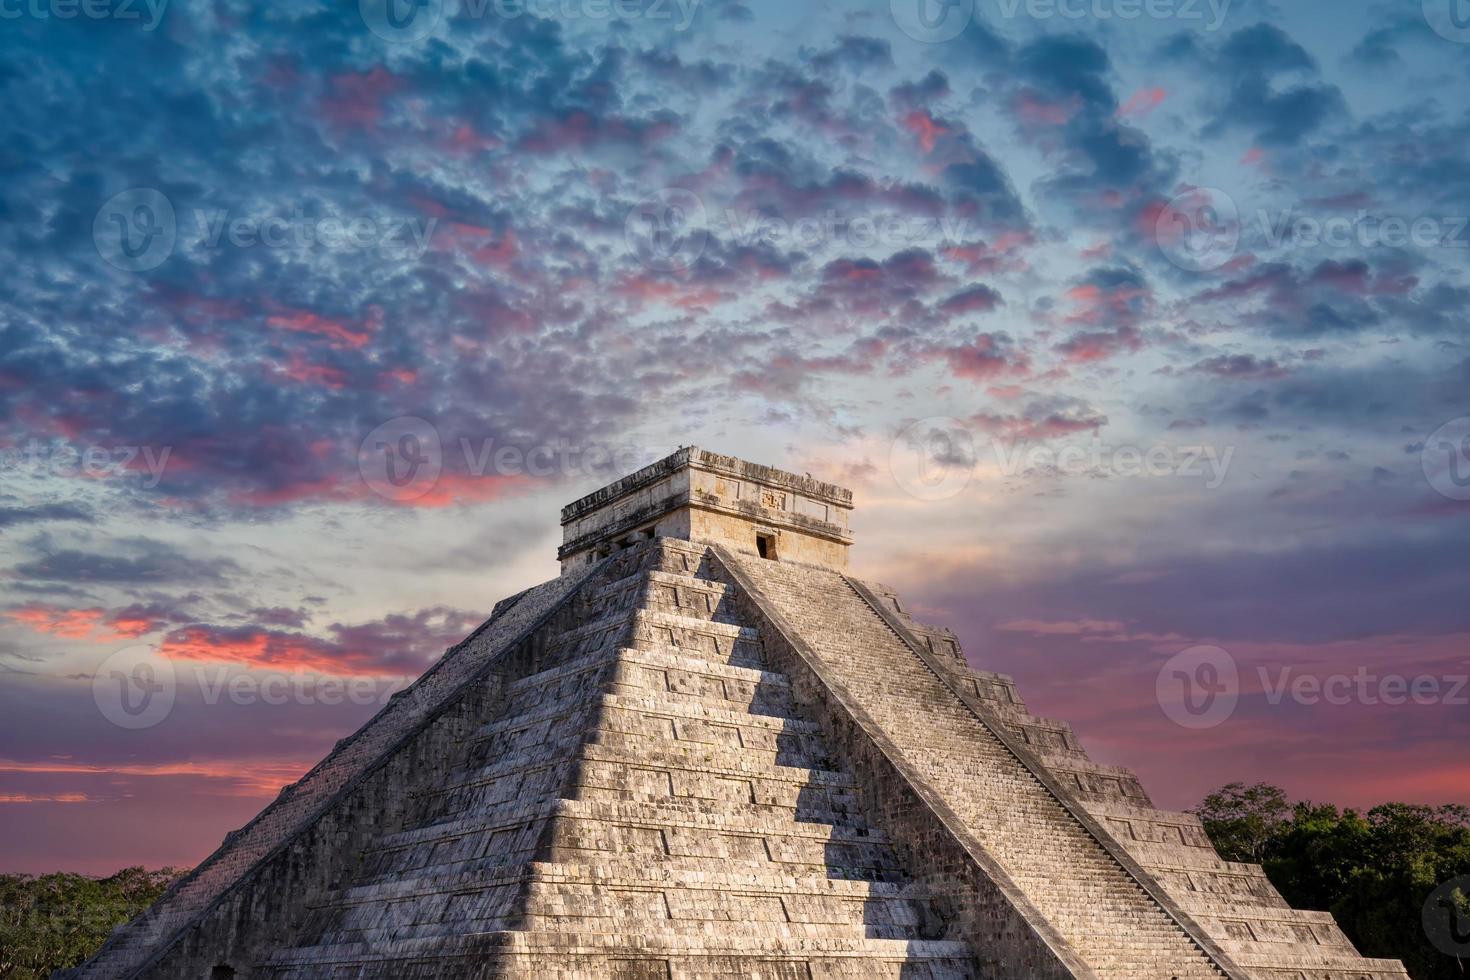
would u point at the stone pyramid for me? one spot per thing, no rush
(706, 751)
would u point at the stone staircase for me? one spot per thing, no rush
(649, 803)
(1112, 923)
(1235, 903)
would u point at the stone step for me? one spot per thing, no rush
(1274, 925)
(713, 761)
(700, 638)
(620, 943)
(666, 916)
(1093, 781)
(713, 711)
(1288, 963)
(622, 818)
(641, 957)
(633, 872)
(1072, 880)
(696, 815)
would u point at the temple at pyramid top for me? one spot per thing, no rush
(702, 496)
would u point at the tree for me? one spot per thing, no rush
(1241, 820)
(56, 921)
(1373, 872)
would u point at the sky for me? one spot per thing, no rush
(1138, 330)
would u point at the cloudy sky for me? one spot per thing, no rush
(1138, 329)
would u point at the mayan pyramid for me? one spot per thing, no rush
(706, 751)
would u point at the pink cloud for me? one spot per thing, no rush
(1143, 102)
(926, 128)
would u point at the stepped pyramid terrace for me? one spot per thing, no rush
(706, 750)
